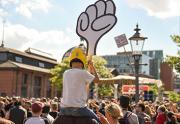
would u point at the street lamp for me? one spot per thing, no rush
(137, 44)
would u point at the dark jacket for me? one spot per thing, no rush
(74, 120)
(17, 115)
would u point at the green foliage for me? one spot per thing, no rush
(173, 96)
(105, 90)
(174, 61)
(176, 39)
(57, 74)
(103, 72)
(154, 88)
(99, 64)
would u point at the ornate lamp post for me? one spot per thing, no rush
(137, 44)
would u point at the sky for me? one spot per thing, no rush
(50, 25)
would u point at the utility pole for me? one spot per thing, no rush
(2, 43)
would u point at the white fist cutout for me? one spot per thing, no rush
(97, 20)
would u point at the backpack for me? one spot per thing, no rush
(124, 120)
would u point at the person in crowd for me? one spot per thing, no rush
(173, 107)
(148, 111)
(171, 118)
(112, 114)
(75, 82)
(27, 106)
(142, 116)
(5, 121)
(124, 103)
(102, 108)
(17, 114)
(45, 113)
(36, 115)
(161, 117)
(54, 110)
(2, 111)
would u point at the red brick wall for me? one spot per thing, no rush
(11, 82)
(7, 81)
(167, 76)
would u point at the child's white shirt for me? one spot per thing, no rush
(74, 87)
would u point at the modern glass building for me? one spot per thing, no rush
(122, 61)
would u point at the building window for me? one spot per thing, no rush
(177, 86)
(37, 86)
(41, 64)
(3, 94)
(3, 56)
(151, 53)
(24, 86)
(18, 59)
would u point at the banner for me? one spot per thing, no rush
(121, 40)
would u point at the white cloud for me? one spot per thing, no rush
(3, 13)
(8, 2)
(26, 7)
(55, 42)
(159, 8)
(4, 4)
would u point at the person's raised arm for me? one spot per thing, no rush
(92, 70)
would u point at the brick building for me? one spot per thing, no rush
(166, 75)
(26, 73)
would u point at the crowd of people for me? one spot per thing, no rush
(18, 110)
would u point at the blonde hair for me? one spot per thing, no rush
(54, 106)
(113, 110)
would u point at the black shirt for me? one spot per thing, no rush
(54, 114)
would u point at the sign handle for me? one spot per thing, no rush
(128, 59)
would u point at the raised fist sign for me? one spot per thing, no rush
(97, 20)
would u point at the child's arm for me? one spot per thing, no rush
(92, 70)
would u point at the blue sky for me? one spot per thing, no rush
(49, 25)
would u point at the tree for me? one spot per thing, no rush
(103, 72)
(57, 74)
(173, 96)
(174, 61)
(176, 39)
(154, 88)
(99, 63)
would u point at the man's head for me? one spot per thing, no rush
(124, 101)
(37, 108)
(161, 109)
(46, 109)
(54, 106)
(77, 58)
(27, 105)
(17, 103)
(140, 107)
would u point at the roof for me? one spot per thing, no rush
(142, 80)
(15, 65)
(41, 58)
(7, 64)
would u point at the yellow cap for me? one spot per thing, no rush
(78, 53)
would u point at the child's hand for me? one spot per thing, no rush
(91, 67)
